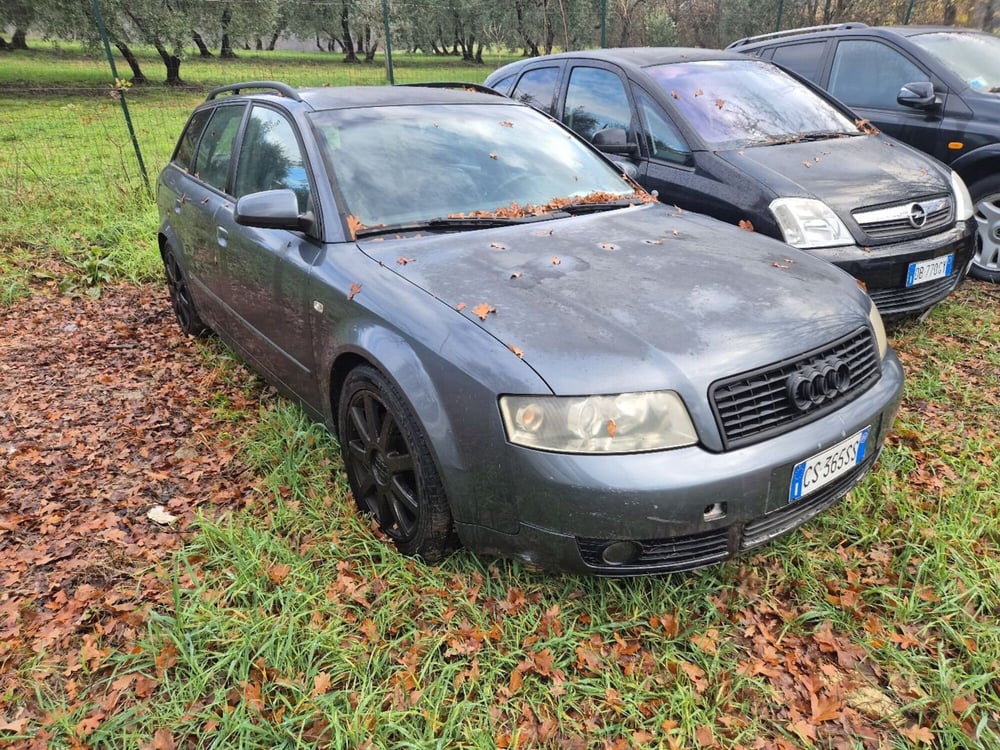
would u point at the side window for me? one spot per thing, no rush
(664, 141)
(803, 58)
(595, 100)
(537, 87)
(211, 163)
(184, 153)
(270, 157)
(870, 74)
(503, 85)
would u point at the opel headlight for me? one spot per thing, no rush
(625, 423)
(963, 201)
(879, 327)
(806, 223)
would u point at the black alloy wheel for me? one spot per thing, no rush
(180, 295)
(389, 467)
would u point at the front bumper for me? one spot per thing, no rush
(883, 268)
(678, 509)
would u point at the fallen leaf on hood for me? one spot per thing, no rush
(746, 224)
(482, 310)
(404, 261)
(355, 288)
(517, 350)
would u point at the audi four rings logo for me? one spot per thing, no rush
(918, 215)
(815, 384)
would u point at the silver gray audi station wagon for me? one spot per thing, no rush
(519, 350)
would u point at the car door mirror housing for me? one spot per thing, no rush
(272, 209)
(614, 141)
(918, 94)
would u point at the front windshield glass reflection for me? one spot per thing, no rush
(398, 164)
(737, 103)
(975, 58)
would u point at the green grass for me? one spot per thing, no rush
(291, 624)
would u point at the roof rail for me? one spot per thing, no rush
(282, 89)
(791, 32)
(455, 85)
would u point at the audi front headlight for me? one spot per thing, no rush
(963, 201)
(879, 327)
(807, 223)
(624, 423)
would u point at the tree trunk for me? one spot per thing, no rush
(370, 54)
(4, 44)
(479, 54)
(226, 51)
(345, 26)
(273, 42)
(173, 65)
(259, 44)
(133, 62)
(203, 50)
(19, 40)
(950, 13)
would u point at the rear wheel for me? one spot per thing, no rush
(389, 467)
(986, 199)
(180, 295)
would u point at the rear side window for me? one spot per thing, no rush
(184, 154)
(215, 151)
(866, 73)
(802, 58)
(596, 100)
(537, 87)
(271, 158)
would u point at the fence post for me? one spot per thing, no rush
(121, 92)
(388, 43)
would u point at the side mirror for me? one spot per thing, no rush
(918, 95)
(272, 209)
(627, 168)
(614, 141)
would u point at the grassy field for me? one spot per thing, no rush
(290, 624)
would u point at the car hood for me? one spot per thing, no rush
(643, 298)
(845, 173)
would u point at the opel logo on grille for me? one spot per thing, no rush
(918, 215)
(818, 383)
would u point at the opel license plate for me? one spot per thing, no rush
(928, 270)
(821, 469)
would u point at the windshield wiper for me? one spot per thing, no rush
(451, 223)
(589, 208)
(816, 135)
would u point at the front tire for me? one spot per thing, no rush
(389, 466)
(180, 295)
(986, 199)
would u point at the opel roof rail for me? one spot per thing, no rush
(802, 30)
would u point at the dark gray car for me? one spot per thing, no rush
(518, 350)
(743, 141)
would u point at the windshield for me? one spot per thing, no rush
(975, 58)
(404, 164)
(736, 103)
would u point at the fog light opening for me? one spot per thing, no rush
(714, 512)
(621, 553)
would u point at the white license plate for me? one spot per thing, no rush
(821, 469)
(928, 270)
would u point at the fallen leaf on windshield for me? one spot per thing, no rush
(720, 103)
(494, 156)
(776, 264)
(517, 350)
(482, 310)
(865, 126)
(353, 225)
(555, 260)
(404, 261)
(675, 95)
(355, 288)
(498, 246)
(746, 224)
(698, 92)
(507, 124)
(608, 246)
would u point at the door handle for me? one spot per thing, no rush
(222, 236)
